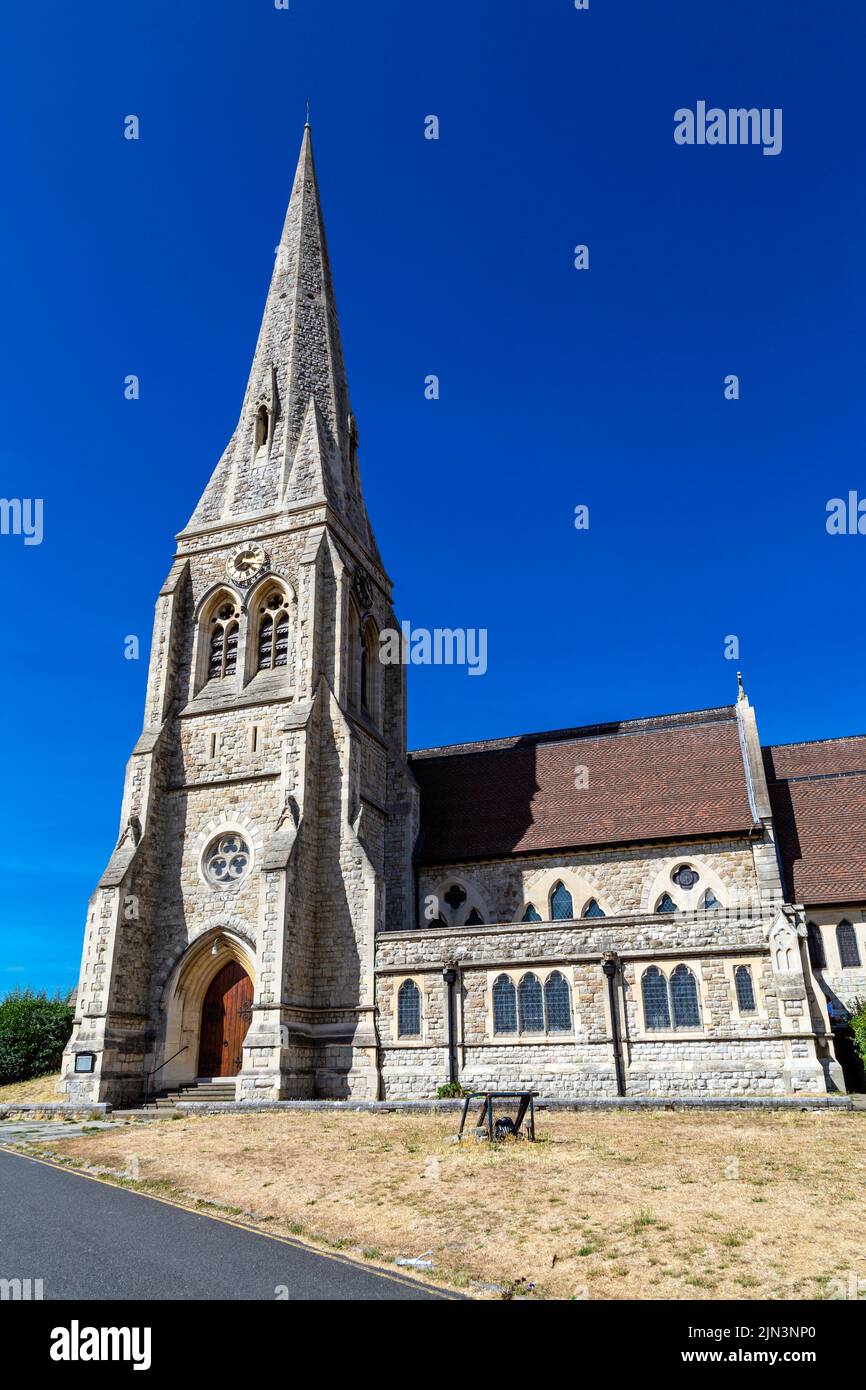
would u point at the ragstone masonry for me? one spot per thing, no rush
(475, 913)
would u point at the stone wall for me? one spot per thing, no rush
(732, 1052)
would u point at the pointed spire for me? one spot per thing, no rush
(298, 360)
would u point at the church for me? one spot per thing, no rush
(297, 907)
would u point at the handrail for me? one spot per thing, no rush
(150, 1075)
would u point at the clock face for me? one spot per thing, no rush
(247, 564)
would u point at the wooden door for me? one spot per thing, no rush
(225, 1017)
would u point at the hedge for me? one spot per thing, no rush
(34, 1029)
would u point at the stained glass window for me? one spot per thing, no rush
(666, 904)
(475, 919)
(409, 1010)
(684, 998)
(557, 1002)
(561, 906)
(592, 909)
(530, 915)
(504, 1005)
(455, 896)
(685, 876)
(710, 901)
(846, 939)
(745, 989)
(531, 1005)
(655, 999)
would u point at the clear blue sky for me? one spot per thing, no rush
(558, 387)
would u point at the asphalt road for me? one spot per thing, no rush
(88, 1240)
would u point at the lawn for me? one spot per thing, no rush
(606, 1205)
(29, 1092)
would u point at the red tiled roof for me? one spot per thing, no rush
(818, 795)
(674, 776)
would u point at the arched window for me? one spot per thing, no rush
(474, 919)
(846, 940)
(684, 998)
(561, 906)
(817, 955)
(592, 909)
(557, 1003)
(745, 989)
(531, 1004)
(666, 904)
(408, 1010)
(262, 426)
(274, 629)
(369, 671)
(709, 901)
(656, 1010)
(531, 915)
(504, 1005)
(224, 632)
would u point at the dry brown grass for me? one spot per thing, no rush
(606, 1205)
(28, 1092)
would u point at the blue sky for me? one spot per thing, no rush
(558, 387)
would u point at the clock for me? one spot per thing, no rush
(247, 565)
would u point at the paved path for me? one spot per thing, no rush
(33, 1131)
(88, 1240)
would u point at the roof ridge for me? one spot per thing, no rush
(812, 742)
(679, 719)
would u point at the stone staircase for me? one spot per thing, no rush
(218, 1090)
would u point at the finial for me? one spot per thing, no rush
(741, 694)
(308, 126)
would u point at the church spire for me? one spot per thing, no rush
(298, 361)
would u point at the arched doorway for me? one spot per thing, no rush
(226, 1015)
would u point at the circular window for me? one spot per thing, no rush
(685, 876)
(227, 860)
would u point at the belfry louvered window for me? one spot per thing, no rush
(745, 989)
(274, 625)
(656, 1010)
(224, 635)
(846, 940)
(408, 1010)
(504, 1005)
(561, 906)
(531, 1003)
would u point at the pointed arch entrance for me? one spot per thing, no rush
(185, 1034)
(226, 1015)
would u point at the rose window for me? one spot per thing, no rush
(227, 861)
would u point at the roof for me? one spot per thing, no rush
(818, 796)
(677, 776)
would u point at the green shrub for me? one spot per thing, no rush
(34, 1029)
(858, 1027)
(452, 1090)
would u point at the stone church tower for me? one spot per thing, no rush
(268, 813)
